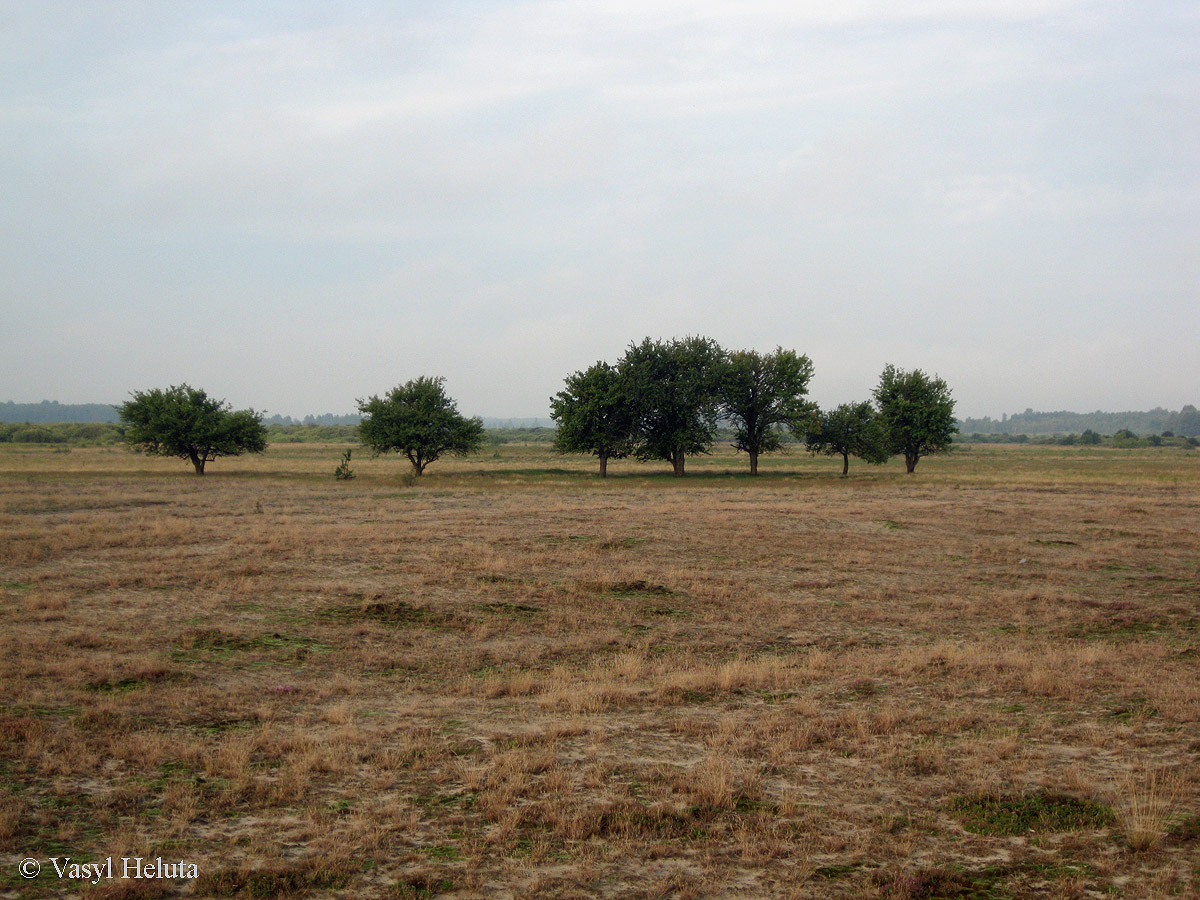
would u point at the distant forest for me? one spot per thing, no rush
(1185, 422)
(49, 411)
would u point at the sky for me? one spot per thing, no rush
(295, 205)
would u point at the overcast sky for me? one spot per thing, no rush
(297, 204)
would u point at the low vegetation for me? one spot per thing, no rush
(509, 678)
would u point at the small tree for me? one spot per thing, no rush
(917, 413)
(420, 421)
(184, 421)
(594, 415)
(853, 429)
(760, 393)
(343, 472)
(674, 388)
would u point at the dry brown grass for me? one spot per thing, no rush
(512, 679)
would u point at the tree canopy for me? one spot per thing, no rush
(917, 413)
(674, 391)
(184, 421)
(594, 415)
(852, 429)
(760, 393)
(418, 420)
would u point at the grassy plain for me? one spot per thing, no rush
(512, 679)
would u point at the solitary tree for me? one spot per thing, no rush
(760, 393)
(184, 421)
(420, 421)
(853, 429)
(674, 389)
(594, 415)
(917, 413)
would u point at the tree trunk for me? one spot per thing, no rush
(198, 462)
(677, 459)
(845, 464)
(604, 467)
(910, 461)
(753, 463)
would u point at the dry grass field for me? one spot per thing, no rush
(511, 679)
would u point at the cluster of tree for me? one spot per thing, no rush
(664, 400)
(1185, 422)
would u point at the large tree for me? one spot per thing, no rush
(852, 429)
(674, 388)
(184, 421)
(917, 413)
(594, 415)
(762, 393)
(418, 419)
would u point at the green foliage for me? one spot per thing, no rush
(674, 388)
(852, 429)
(540, 434)
(917, 413)
(75, 434)
(343, 472)
(760, 393)
(1188, 423)
(595, 415)
(313, 434)
(420, 421)
(1125, 438)
(185, 422)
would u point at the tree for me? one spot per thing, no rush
(853, 429)
(917, 413)
(184, 421)
(760, 393)
(418, 419)
(674, 389)
(1189, 422)
(594, 415)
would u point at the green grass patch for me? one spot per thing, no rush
(388, 610)
(224, 644)
(1013, 814)
(517, 610)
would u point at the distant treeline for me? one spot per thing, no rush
(78, 434)
(1186, 422)
(323, 419)
(107, 434)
